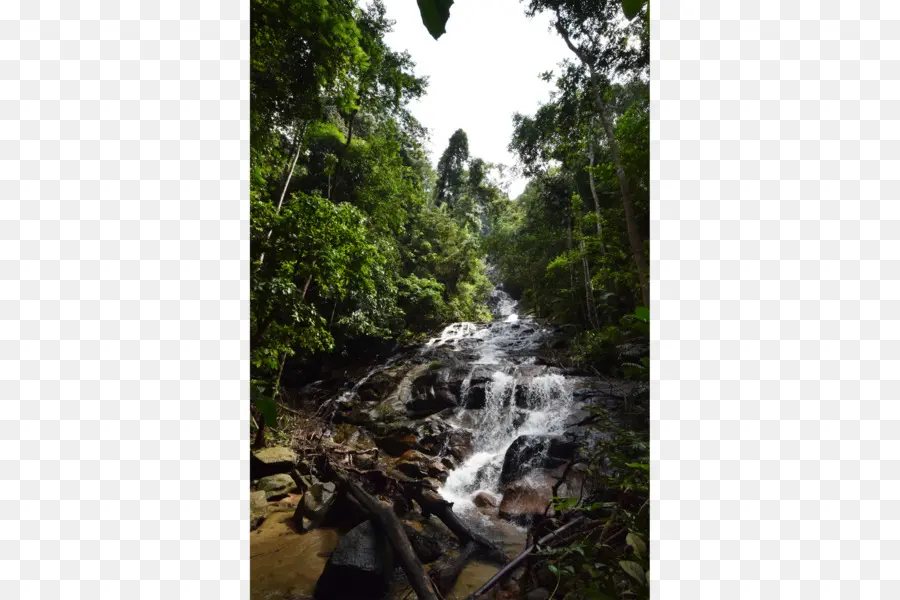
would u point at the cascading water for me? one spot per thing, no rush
(539, 408)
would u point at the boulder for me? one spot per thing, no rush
(419, 466)
(380, 385)
(485, 500)
(398, 440)
(431, 393)
(276, 486)
(359, 568)
(538, 594)
(460, 444)
(476, 397)
(530, 452)
(259, 509)
(527, 452)
(426, 542)
(271, 461)
(313, 509)
(526, 498)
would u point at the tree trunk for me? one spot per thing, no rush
(338, 171)
(432, 503)
(588, 289)
(594, 193)
(634, 236)
(298, 143)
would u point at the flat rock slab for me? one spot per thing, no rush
(272, 461)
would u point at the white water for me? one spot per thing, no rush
(500, 422)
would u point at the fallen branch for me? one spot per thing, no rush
(388, 523)
(432, 503)
(505, 571)
(446, 578)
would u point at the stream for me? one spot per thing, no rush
(479, 412)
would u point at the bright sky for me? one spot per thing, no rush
(484, 69)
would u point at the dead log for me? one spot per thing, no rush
(446, 577)
(505, 571)
(432, 503)
(387, 522)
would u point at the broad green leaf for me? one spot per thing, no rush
(434, 15)
(635, 541)
(266, 406)
(553, 569)
(642, 313)
(634, 570)
(632, 7)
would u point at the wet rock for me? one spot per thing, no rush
(538, 594)
(526, 498)
(530, 452)
(485, 500)
(314, 507)
(380, 385)
(487, 475)
(460, 444)
(427, 543)
(271, 461)
(524, 454)
(398, 442)
(431, 393)
(476, 398)
(419, 466)
(352, 436)
(276, 486)
(259, 509)
(359, 568)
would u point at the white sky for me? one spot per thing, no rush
(484, 69)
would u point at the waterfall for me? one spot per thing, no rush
(540, 407)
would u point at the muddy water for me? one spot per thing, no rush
(284, 564)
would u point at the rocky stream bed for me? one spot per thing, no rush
(478, 420)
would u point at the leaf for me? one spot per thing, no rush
(635, 541)
(434, 15)
(266, 406)
(634, 570)
(553, 569)
(642, 313)
(632, 7)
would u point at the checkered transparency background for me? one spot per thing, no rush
(775, 187)
(124, 301)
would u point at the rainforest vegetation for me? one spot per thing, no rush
(357, 237)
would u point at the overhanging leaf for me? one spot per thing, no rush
(268, 409)
(635, 541)
(632, 7)
(634, 570)
(434, 15)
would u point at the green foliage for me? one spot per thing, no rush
(345, 242)
(435, 14)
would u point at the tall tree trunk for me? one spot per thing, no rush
(594, 195)
(588, 289)
(634, 236)
(289, 172)
(338, 171)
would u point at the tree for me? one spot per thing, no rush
(592, 31)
